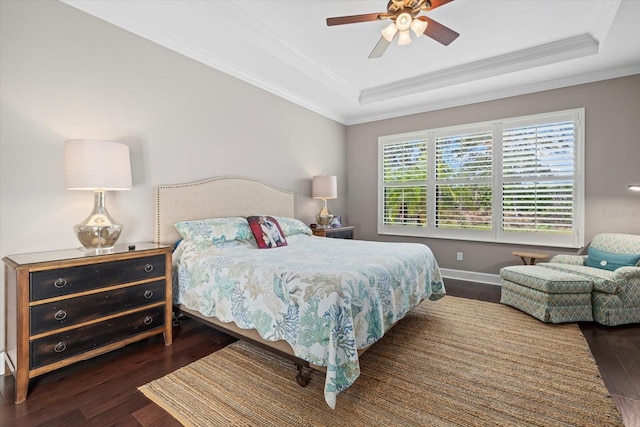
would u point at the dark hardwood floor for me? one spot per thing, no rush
(103, 391)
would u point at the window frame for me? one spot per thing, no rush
(496, 234)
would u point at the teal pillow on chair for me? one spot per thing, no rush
(610, 261)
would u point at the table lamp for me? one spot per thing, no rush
(324, 187)
(98, 166)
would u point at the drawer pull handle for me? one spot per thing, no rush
(148, 294)
(148, 268)
(60, 315)
(60, 347)
(148, 320)
(60, 283)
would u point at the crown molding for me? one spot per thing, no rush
(605, 17)
(545, 54)
(498, 94)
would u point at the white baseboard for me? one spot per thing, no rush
(471, 276)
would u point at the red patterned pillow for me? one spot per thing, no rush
(266, 231)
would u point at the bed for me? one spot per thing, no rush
(319, 301)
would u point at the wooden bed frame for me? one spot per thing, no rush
(224, 197)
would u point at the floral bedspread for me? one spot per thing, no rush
(326, 297)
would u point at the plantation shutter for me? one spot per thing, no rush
(463, 181)
(538, 170)
(404, 168)
(518, 180)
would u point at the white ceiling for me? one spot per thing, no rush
(505, 48)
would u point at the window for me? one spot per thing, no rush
(464, 170)
(405, 177)
(516, 180)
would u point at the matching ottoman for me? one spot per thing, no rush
(546, 294)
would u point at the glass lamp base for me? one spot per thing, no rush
(324, 220)
(99, 232)
(324, 217)
(98, 239)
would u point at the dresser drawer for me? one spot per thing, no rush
(65, 281)
(53, 348)
(71, 311)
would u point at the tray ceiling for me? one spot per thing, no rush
(505, 48)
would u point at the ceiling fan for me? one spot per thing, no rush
(404, 17)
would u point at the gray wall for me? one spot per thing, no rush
(612, 162)
(65, 74)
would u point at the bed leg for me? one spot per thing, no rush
(302, 378)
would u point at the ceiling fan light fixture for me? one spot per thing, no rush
(418, 27)
(404, 18)
(390, 32)
(405, 38)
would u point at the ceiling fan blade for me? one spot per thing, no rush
(352, 19)
(380, 48)
(438, 32)
(438, 3)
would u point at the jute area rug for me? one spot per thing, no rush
(453, 362)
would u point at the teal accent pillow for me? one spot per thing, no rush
(214, 231)
(609, 261)
(291, 226)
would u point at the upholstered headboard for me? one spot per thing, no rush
(215, 197)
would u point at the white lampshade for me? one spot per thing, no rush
(390, 31)
(404, 39)
(418, 27)
(96, 165)
(324, 187)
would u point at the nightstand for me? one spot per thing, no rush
(64, 306)
(345, 232)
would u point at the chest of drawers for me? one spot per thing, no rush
(63, 306)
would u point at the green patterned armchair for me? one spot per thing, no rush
(613, 264)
